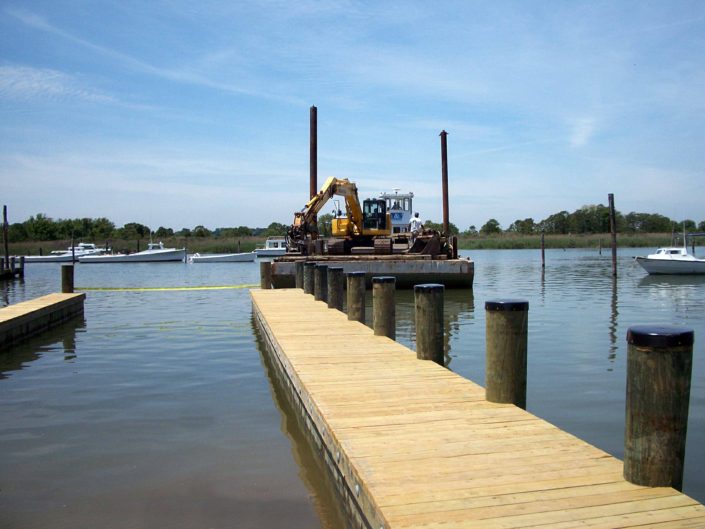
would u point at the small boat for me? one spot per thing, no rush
(672, 260)
(66, 256)
(246, 257)
(155, 253)
(273, 247)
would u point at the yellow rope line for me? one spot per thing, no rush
(159, 289)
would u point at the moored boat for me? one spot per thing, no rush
(66, 256)
(273, 247)
(672, 260)
(155, 253)
(246, 257)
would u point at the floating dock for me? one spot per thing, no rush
(411, 444)
(22, 320)
(409, 270)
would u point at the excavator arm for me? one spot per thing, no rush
(305, 219)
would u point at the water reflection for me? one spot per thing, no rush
(61, 337)
(309, 459)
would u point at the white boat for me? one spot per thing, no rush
(155, 253)
(66, 256)
(273, 247)
(672, 260)
(400, 210)
(246, 257)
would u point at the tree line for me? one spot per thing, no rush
(585, 220)
(40, 227)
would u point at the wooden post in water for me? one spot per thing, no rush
(356, 296)
(335, 288)
(5, 237)
(320, 286)
(659, 365)
(299, 275)
(21, 269)
(506, 351)
(384, 321)
(309, 277)
(543, 250)
(67, 279)
(428, 301)
(613, 231)
(265, 275)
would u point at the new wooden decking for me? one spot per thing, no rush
(22, 320)
(414, 445)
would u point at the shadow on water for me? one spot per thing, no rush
(313, 472)
(62, 336)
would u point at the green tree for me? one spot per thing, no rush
(471, 231)
(491, 227)
(133, 230)
(556, 223)
(524, 227)
(102, 228)
(201, 231)
(41, 228)
(163, 232)
(17, 232)
(275, 228)
(701, 225)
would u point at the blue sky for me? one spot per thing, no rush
(178, 113)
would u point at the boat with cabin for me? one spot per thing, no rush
(155, 253)
(673, 260)
(273, 247)
(73, 253)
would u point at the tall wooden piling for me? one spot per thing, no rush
(265, 275)
(336, 288)
(5, 236)
(320, 286)
(428, 302)
(384, 321)
(444, 181)
(659, 366)
(67, 279)
(356, 296)
(313, 152)
(299, 274)
(309, 277)
(543, 251)
(506, 351)
(613, 232)
(20, 271)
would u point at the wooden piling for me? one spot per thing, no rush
(335, 287)
(299, 274)
(356, 296)
(543, 250)
(67, 279)
(320, 286)
(659, 365)
(506, 351)
(265, 275)
(309, 277)
(613, 232)
(384, 319)
(428, 301)
(20, 271)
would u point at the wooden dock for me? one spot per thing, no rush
(411, 444)
(22, 320)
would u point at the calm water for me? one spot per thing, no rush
(157, 410)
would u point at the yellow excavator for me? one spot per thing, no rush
(364, 229)
(363, 226)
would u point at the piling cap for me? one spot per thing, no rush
(384, 279)
(507, 305)
(659, 336)
(429, 287)
(356, 274)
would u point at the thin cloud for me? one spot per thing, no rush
(27, 83)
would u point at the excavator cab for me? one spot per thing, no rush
(374, 214)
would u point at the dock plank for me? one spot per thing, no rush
(417, 446)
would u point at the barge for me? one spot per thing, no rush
(409, 270)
